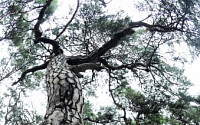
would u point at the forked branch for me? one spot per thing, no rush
(36, 68)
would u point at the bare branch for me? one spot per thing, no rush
(36, 68)
(37, 31)
(68, 21)
(83, 67)
(9, 111)
(56, 48)
(154, 27)
(128, 66)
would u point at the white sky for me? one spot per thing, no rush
(193, 73)
(192, 70)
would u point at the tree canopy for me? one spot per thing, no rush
(133, 61)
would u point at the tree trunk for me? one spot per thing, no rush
(65, 99)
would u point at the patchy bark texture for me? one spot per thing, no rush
(65, 99)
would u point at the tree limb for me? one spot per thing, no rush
(115, 39)
(93, 57)
(56, 48)
(128, 66)
(154, 27)
(85, 66)
(36, 68)
(37, 31)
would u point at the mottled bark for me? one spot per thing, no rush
(65, 99)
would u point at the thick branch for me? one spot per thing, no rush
(154, 27)
(56, 48)
(85, 66)
(114, 41)
(37, 31)
(36, 68)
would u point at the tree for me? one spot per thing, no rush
(111, 46)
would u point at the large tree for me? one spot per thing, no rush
(124, 56)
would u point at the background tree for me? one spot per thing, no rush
(122, 55)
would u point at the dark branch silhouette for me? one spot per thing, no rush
(68, 21)
(36, 68)
(155, 27)
(93, 57)
(56, 48)
(40, 19)
(128, 66)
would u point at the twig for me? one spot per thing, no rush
(36, 68)
(12, 109)
(68, 21)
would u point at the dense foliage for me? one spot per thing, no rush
(140, 80)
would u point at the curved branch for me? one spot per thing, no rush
(68, 21)
(36, 68)
(56, 48)
(120, 106)
(112, 43)
(93, 57)
(40, 19)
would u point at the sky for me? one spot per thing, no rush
(192, 72)
(191, 69)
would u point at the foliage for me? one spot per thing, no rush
(143, 84)
(165, 11)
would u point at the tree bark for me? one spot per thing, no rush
(65, 99)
